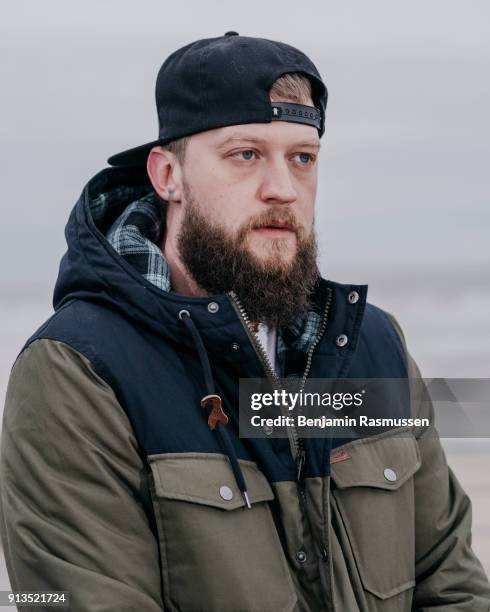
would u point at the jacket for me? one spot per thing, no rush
(115, 489)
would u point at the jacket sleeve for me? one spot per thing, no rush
(75, 506)
(448, 575)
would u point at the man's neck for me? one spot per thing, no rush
(182, 282)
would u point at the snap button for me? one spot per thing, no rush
(353, 297)
(389, 474)
(301, 556)
(213, 307)
(268, 429)
(235, 346)
(226, 493)
(341, 340)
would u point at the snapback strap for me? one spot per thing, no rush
(298, 113)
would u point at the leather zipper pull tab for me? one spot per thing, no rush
(217, 414)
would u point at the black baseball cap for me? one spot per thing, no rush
(215, 82)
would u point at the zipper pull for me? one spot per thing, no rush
(300, 464)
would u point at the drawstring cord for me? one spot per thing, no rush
(217, 418)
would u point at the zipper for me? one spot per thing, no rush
(295, 438)
(297, 441)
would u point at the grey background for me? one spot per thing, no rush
(403, 196)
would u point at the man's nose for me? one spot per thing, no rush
(277, 185)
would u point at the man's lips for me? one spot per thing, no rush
(274, 229)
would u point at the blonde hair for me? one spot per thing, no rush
(293, 87)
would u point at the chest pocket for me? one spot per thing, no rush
(374, 496)
(217, 555)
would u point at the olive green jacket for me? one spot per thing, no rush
(84, 512)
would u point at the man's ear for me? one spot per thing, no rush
(164, 171)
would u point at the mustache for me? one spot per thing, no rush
(272, 218)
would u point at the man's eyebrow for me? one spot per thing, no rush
(246, 138)
(309, 143)
(238, 137)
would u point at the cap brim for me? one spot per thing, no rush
(136, 156)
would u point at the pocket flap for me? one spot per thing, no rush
(206, 478)
(385, 462)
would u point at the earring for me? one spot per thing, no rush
(170, 192)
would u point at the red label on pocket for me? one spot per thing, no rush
(341, 455)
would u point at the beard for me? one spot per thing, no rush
(272, 291)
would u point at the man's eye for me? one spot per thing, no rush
(305, 158)
(246, 155)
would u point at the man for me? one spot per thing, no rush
(191, 263)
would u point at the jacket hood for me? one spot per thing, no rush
(92, 269)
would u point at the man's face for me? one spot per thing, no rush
(258, 183)
(245, 218)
